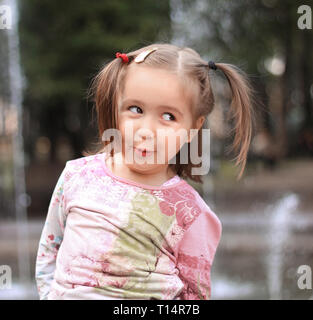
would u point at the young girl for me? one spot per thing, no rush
(119, 229)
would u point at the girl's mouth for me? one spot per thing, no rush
(143, 152)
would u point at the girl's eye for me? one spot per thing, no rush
(135, 108)
(171, 117)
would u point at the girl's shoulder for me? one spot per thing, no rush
(204, 216)
(82, 164)
(208, 212)
(186, 199)
(83, 161)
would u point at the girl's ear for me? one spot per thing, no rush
(198, 125)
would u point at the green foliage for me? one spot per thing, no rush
(249, 34)
(65, 43)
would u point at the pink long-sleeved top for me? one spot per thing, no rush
(107, 237)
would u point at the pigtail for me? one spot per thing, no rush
(103, 91)
(240, 110)
(103, 88)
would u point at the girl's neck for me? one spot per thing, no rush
(118, 167)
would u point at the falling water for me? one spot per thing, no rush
(279, 230)
(15, 85)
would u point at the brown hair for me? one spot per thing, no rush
(193, 71)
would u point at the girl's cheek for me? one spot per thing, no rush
(128, 142)
(167, 148)
(180, 141)
(126, 130)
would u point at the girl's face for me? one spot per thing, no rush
(154, 118)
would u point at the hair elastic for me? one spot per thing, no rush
(212, 65)
(123, 56)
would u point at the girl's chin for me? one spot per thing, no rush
(140, 164)
(142, 168)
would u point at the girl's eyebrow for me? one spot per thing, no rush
(174, 109)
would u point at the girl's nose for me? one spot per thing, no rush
(145, 133)
(145, 130)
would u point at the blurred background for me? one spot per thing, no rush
(49, 52)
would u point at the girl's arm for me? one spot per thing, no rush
(51, 238)
(195, 256)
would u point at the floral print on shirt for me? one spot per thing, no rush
(105, 238)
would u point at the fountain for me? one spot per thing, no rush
(278, 232)
(269, 234)
(11, 113)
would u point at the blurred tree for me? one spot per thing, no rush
(263, 38)
(63, 45)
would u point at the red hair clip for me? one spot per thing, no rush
(123, 56)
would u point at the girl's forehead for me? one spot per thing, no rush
(157, 83)
(136, 73)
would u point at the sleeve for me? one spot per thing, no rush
(195, 256)
(50, 240)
